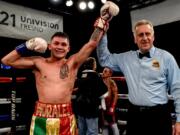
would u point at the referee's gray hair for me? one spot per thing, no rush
(143, 22)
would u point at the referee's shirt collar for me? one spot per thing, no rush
(151, 51)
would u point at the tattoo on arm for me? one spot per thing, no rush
(95, 35)
(64, 70)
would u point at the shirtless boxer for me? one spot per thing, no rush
(109, 115)
(55, 77)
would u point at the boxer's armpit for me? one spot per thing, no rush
(96, 34)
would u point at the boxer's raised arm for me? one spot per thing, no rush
(108, 10)
(15, 59)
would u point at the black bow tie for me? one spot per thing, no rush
(141, 55)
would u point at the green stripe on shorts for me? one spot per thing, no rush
(40, 126)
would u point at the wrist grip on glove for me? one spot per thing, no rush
(101, 23)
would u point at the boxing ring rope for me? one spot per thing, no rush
(10, 79)
(8, 129)
(5, 79)
(8, 100)
(118, 78)
(13, 101)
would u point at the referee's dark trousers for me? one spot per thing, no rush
(143, 120)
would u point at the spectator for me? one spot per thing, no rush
(90, 89)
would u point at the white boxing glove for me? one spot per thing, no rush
(108, 10)
(36, 44)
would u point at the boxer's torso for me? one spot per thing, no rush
(55, 80)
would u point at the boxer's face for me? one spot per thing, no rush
(106, 73)
(144, 37)
(59, 47)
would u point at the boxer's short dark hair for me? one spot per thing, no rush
(60, 34)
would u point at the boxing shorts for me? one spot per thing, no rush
(53, 119)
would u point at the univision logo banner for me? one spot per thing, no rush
(24, 23)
